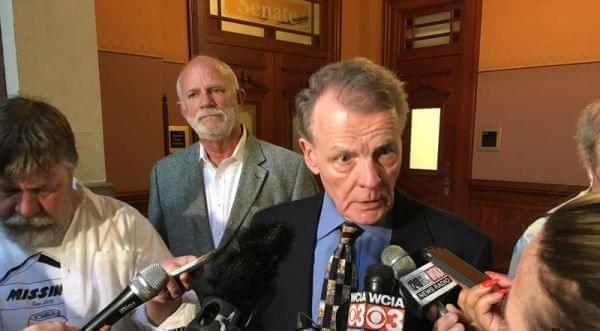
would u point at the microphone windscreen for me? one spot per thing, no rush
(150, 281)
(397, 258)
(379, 278)
(243, 274)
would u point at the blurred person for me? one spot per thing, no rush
(200, 197)
(351, 119)
(65, 251)
(588, 145)
(557, 285)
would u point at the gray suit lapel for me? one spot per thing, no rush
(251, 181)
(197, 210)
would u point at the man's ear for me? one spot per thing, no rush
(309, 155)
(241, 96)
(590, 174)
(181, 107)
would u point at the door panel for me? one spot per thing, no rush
(431, 83)
(442, 74)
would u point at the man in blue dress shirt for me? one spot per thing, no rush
(351, 120)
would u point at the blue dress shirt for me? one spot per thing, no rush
(367, 247)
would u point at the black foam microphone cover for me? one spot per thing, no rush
(244, 272)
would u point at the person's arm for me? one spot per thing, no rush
(173, 308)
(304, 185)
(54, 326)
(480, 303)
(454, 320)
(159, 308)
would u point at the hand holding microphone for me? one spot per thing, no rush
(481, 293)
(153, 285)
(421, 286)
(481, 303)
(182, 272)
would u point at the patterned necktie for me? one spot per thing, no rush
(340, 279)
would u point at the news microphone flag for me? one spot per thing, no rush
(375, 311)
(378, 307)
(425, 285)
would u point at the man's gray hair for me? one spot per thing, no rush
(224, 67)
(588, 132)
(34, 137)
(361, 86)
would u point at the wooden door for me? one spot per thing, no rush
(272, 58)
(431, 85)
(292, 73)
(432, 46)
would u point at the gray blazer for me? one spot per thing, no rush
(177, 208)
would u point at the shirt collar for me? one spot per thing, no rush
(331, 219)
(238, 152)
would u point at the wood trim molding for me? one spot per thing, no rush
(504, 209)
(478, 187)
(138, 200)
(469, 59)
(334, 50)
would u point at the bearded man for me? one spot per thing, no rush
(66, 252)
(200, 197)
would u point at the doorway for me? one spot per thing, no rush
(433, 48)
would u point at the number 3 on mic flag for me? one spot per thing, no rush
(366, 316)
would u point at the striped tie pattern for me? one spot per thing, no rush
(340, 279)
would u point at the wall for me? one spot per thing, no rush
(538, 68)
(9, 52)
(362, 29)
(142, 44)
(56, 60)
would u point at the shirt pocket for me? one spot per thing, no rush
(112, 270)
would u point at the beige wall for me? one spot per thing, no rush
(142, 44)
(58, 61)
(538, 68)
(522, 34)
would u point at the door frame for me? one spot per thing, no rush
(467, 77)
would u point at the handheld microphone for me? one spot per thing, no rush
(146, 285)
(377, 307)
(464, 273)
(397, 258)
(420, 286)
(425, 285)
(240, 276)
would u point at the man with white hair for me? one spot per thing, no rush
(201, 196)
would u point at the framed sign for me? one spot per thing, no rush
(180, 137)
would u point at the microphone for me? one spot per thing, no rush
(146, 285)
(241, 275)
(421, 286)
(425, 285)
(377, 307)
(397, 258)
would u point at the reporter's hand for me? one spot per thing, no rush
(169, 299)
(480, 304)
(174, 290)
(454, 320)
(52, 326)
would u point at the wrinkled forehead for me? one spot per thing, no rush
(210, 70)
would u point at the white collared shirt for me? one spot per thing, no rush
(220, 187)
(106, 244)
